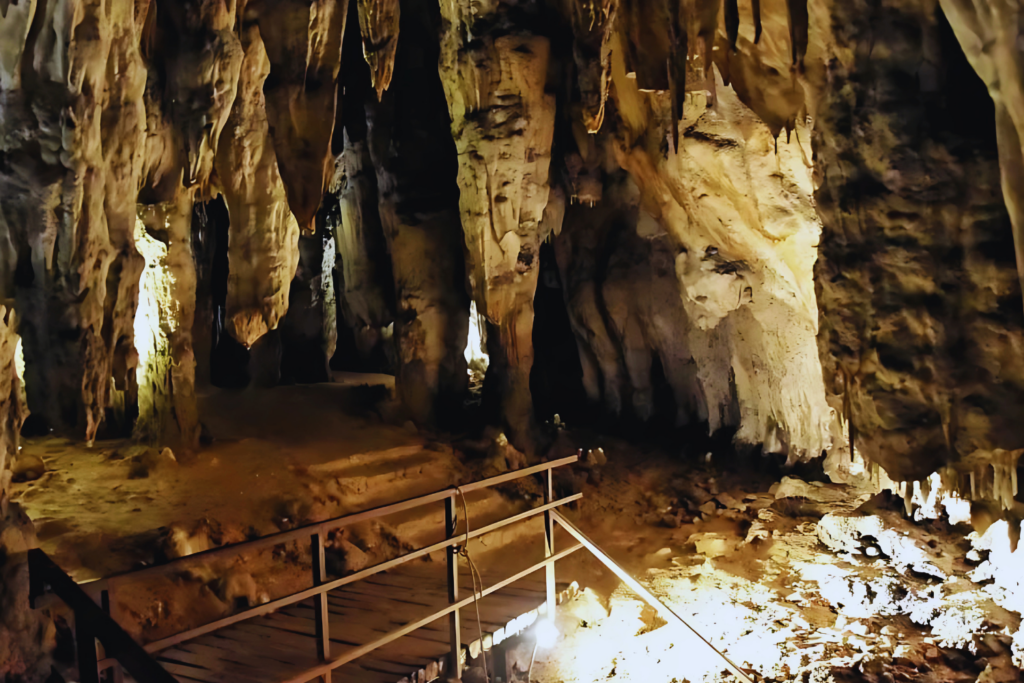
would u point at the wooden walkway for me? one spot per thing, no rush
(403, 619)
(281, 646)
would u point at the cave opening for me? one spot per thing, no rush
(529, 342)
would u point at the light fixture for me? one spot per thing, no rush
(546, 633)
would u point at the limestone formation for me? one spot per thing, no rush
(502, 123)
(414, 159)
(916, 285)
(793, 217)
(303, 45)
(163, 325)
(359, 239)
(263, 241)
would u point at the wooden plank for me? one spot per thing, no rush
(372, 603)
(238, 638)
(357, 652)
(394, 594)
(273, 630)
(191, 673)
(213, 663)
(206, 669)
(254, 661)
(385, 666)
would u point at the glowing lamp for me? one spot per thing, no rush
(546, 633)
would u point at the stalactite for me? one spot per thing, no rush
(378, 24)
(263, 236)
(102, 152)
(756, 8)
(984, 476)
(203, 57)
(303, 45)
(645, 27)
(678, 63)
(798, 26)
(990, 35)
(593, 24)
(732, 22)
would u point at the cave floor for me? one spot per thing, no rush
(99, 510)
(797, 581)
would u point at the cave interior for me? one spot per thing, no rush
(758, 263)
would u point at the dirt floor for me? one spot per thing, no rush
(794, 580)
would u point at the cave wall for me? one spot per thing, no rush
(921, 310)
(699, 167)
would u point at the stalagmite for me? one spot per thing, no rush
(303, 45)
(502, 123)
(415, 163)
(25, 635)
(163, 325)
(360, 242)
(263, 243)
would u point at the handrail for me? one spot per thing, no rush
(90, 619)
(277, 604)
(361, 650)
(304, 532)
(116, 643)
(638, 588)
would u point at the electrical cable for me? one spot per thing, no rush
(475, 576)
(529, 672)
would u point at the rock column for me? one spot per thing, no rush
(502, 123)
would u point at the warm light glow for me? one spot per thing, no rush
(476, 350)
(19, 361)
(154, 291)
(546, 633)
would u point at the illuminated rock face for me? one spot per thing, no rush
(921, 327)
(719, 180)
(503, 121)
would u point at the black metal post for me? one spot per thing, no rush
(320, 612)
(451, 518)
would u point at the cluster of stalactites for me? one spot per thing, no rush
(984, 476)
(666, 43)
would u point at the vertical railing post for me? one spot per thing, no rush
(451, 519)
(85, 647)
(320, 612)
(107, 603)
(549, 543)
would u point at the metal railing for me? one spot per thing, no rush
(92, 622)
(663, 610)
